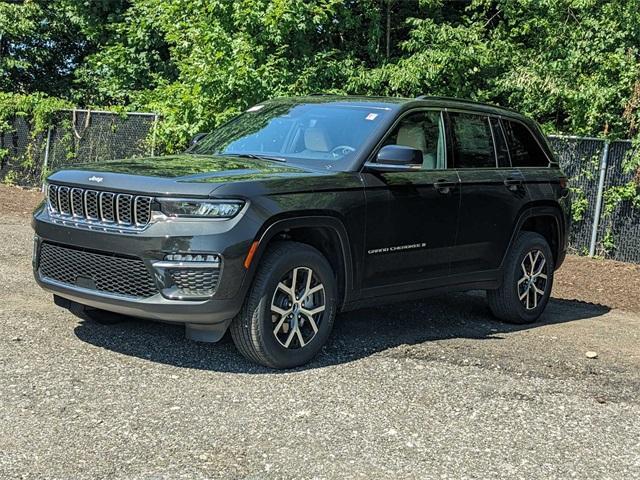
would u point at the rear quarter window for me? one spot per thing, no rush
(523, 147)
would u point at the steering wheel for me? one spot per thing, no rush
(341, 151)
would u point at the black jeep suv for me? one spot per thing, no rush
(302, 207)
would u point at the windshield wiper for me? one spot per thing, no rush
(256, 156)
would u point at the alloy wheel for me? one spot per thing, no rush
(532, 285)
(297, 308)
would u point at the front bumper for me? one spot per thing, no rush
(229, 239)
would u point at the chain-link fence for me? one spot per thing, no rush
(74, 136)
(605, 223)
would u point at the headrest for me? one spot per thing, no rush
(412, 136)
(315, 139)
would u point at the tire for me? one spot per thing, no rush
(273, 329)
(518, 299)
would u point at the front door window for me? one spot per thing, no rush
(423, 131)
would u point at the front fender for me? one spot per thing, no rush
(278, 226)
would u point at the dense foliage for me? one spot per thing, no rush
(574, 65)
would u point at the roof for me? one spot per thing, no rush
(405, 103)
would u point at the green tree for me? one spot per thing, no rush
(573, 65)
(42, 42)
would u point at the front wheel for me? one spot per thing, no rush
(289, 311)
(527, 281)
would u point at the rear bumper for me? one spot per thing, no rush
(226, 239)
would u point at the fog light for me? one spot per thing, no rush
(192, 276)
(178, 257)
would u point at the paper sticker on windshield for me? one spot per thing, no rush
(371, 116)
(255, 108)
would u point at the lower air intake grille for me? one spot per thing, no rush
(195, 281)
(97, 271)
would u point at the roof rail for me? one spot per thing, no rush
(453, 99)
(467, 101)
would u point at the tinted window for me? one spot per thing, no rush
(472, 141)
(423, 131)
(500, 143)
(524, 150)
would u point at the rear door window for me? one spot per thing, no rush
(523, 147)
(472, 141)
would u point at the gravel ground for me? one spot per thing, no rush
(430, 389)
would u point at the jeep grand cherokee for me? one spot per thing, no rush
(300, 208)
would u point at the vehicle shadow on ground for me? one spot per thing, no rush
(356, 334)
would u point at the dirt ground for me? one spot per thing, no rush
(604, 282)
(17, 201)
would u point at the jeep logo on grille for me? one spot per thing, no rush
(96, 179)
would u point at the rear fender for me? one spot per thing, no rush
(552, 211)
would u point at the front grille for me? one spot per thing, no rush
(64, 205)
(195, 281)
(98, 271)
(97, 206)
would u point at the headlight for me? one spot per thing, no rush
(200, 208)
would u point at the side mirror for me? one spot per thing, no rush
(196, 139)
(397, 157)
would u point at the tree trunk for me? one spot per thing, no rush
(389, 27)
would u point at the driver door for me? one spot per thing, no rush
(412, 216)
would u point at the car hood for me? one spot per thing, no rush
(177, 174)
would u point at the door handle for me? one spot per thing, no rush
(444, 186)
(513, 183)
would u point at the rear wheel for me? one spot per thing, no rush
(289, 311)
(527, 281)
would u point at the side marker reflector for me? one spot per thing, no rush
(252, 251)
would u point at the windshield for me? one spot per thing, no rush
(325, 134)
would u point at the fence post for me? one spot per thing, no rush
(153, 135)
(598, 210)
(47, 150)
